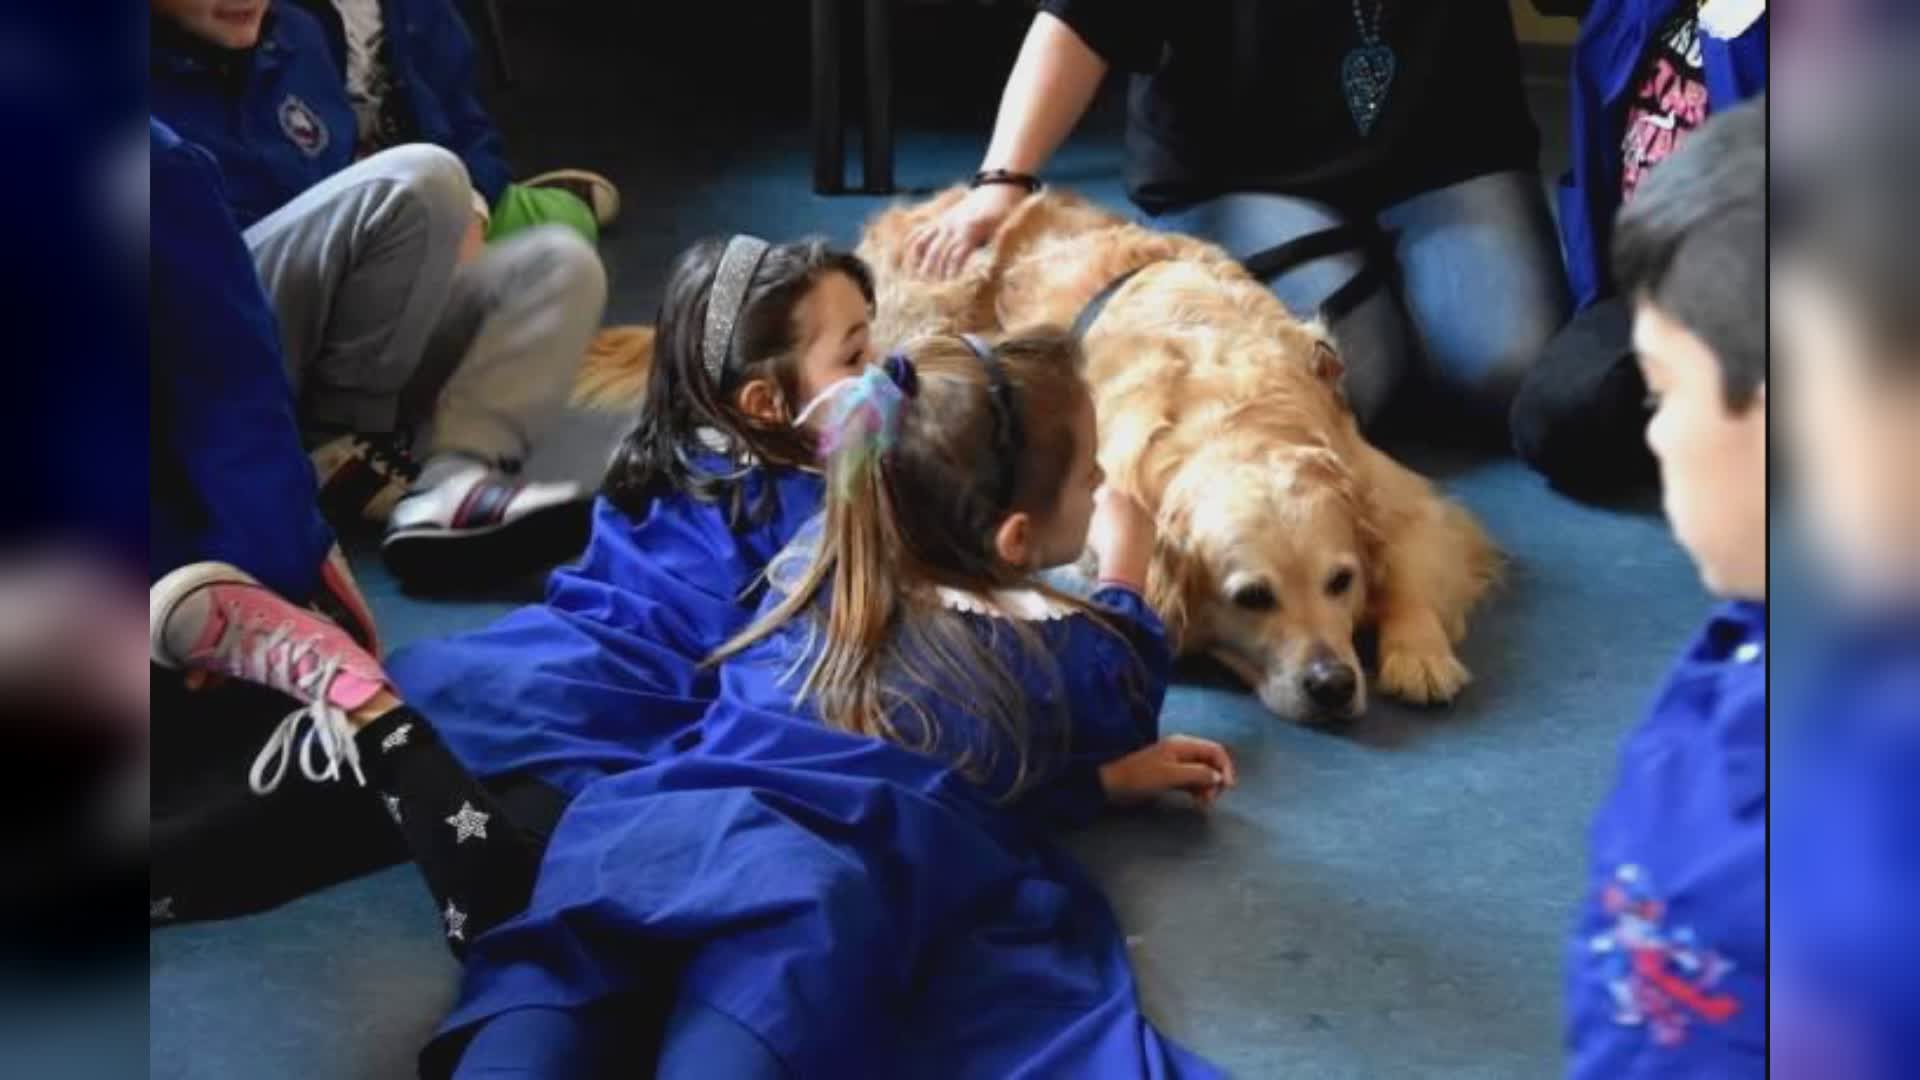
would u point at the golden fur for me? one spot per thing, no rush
(1222, 413)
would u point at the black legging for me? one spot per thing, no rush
(479, 846)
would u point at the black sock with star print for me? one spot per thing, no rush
(479, 864)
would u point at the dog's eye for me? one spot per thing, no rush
(1340, 582)
(1256, 597)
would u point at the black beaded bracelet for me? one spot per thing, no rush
(1006, 176)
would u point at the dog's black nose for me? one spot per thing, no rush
(1329, 683)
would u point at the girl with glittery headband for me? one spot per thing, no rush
(714, 479)
(748, 334)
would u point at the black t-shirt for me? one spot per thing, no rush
(1248, 95)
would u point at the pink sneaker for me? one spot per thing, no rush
(212, 617)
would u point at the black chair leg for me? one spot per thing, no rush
(829, 148)
(877, 167)
(496, 30)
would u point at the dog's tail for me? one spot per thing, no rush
(613, 378)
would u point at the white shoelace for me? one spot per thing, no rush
(275, 661)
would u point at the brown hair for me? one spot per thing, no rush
(924, 515)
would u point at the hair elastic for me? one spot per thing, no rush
(727, 299)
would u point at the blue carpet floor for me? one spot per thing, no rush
(1386, 903)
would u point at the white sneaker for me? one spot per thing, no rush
(591, 188)
(481, 526)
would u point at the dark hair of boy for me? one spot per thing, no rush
(1693, 243)
(688, 417)
(1847, 198)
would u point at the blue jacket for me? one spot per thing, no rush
(432, 58)
(1613, 38)
(277, 119)
(229, 480)
(1667, 966)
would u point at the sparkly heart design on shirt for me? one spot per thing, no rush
(1366, 74)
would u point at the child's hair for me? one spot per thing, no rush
(689, 415)
(980, 433)
(1844, 197)
(1693, 241)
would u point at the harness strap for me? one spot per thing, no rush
(1269, 263)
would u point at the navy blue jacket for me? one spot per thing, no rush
(229, 480)
(277, 119)
(1667, 966)
(1614, 37)
(431, 55)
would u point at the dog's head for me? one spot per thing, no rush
(1267, 547)
(1267, 566)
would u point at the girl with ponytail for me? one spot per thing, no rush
(956, 472)
(853, 873)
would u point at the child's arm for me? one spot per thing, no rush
(229, 466)
(447, 62)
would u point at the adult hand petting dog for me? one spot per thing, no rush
(939, 248)
(1200, 767)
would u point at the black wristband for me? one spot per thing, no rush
(1006, 176)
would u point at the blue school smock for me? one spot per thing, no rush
(275, 117)
(1846, 862)
(432, 62)
(228, 478)
(1614, 35)
(862, 909)
(1667, 966)
(605, 673)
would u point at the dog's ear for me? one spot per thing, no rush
(1175, 582)
(1326, 365)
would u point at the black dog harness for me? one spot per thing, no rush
(1271, 262)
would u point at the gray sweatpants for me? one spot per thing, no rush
(382, 329)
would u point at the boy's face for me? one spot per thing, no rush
(1713, 462)
(1856, 438)
(232, 24)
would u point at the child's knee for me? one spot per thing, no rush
(432, 176)
(561, 268)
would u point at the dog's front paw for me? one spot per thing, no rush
(1422, 676)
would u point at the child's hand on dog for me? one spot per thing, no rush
(1121, 537)
(1200, 767)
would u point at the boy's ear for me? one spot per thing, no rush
(762, 400)
(1013, 541)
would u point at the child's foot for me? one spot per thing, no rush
(362, 477)
(212, 617)
(591, 188)
(480, 526)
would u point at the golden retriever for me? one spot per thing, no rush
(1283, 532)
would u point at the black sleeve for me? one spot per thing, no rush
(1128, 34)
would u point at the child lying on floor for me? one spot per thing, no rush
(846, 878)
(847, 864)
(1667, 972)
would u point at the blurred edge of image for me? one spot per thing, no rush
(72, 537)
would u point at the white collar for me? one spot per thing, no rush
(1026, 605)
